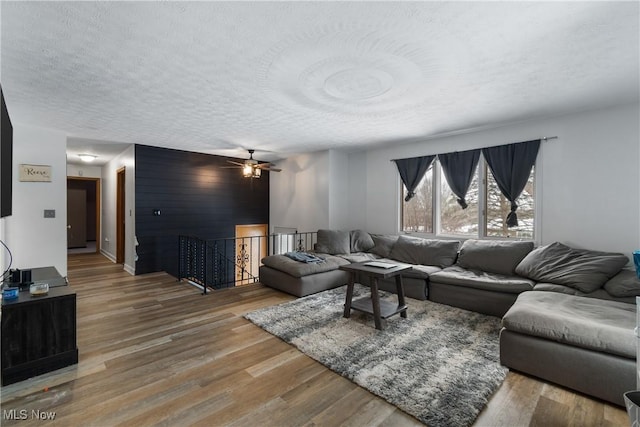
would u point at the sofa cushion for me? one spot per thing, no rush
(417, 271)
(422, 271)
(302, 269)
(383, 244)
(415, 250)
(493, 256)
(624, 284)
(333, 242)
(561, 289)
(598, 293)
(478, 279)
(359, 257)
(361, 241)
(605, 326)
(582, 269)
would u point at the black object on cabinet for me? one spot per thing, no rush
(38, 334)
(6, 160)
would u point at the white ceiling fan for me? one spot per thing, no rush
(251, 168)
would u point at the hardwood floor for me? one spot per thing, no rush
(154, 351)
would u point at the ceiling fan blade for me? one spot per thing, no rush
(272, 169)
(264, 165)
(231, 167)
(235, 163)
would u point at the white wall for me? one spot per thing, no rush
(338, 190)
(356, 190)
(311, 192)
(589, 177)
(36, 241)
(4, 255)
(589, 182)
(109, 173)
(85, 171)
(299, 195)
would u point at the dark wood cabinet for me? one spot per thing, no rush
(38, 334)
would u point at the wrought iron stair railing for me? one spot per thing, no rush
(229, 262)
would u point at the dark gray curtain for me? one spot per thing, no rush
(412, 171)
(511, 166)
(458, 169)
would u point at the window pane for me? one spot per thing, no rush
(454, 219)
(417, 213)
(498, 207)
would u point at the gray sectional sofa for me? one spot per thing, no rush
(568, 314)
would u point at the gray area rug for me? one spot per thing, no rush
(440, 365)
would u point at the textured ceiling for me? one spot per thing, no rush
(288, 77)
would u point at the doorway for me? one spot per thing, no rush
(83, 215)
(120, 215)
(251, 247)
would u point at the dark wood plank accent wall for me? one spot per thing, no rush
(195, 196)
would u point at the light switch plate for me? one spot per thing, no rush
(49, 213)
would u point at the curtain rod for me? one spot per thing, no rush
(543, 138)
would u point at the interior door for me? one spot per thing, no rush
(251, 247)
(76, 218)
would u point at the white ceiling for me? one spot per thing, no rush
(288, 77)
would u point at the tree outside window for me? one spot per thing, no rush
(417, 213)
(498, 207)
(453, 219)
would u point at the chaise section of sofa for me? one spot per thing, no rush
(585, 344)
(302, 279)
(576, 328)
(335, 247)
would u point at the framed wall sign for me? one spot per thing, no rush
(35, 173)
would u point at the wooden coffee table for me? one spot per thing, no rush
(379, 309)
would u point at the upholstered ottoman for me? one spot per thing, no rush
(301, 279)
(586, 344)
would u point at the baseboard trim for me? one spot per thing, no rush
(108, 255)
(129, 269)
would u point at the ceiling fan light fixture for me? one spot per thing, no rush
(251, 171)
(87, 157)
(251, 168)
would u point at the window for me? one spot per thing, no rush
(486, 206)
(497, 207)
(454, 219)
(417, 213)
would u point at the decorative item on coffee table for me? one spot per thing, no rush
(374, 271)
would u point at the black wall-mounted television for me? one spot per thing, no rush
(6, 161)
